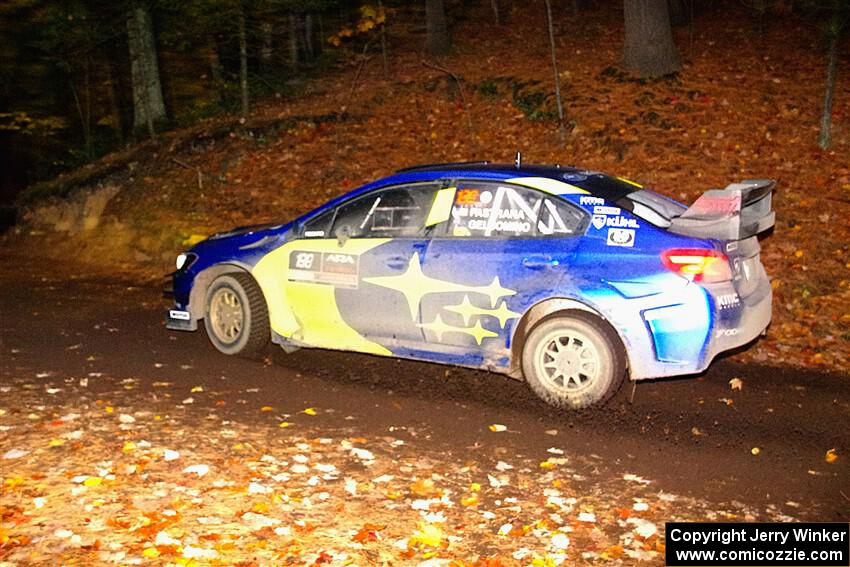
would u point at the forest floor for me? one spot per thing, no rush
(124, 444)
(745, 105)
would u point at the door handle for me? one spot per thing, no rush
(539, 262)
(397, 262)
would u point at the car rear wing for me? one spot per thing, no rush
(739, 211)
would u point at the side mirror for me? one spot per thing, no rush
(343, 233)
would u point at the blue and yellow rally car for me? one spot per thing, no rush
(570, 279)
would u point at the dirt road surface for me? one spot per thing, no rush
(124, 443)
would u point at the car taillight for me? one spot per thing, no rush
(698, 265)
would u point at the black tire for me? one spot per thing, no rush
(573, 361)
(236, 317)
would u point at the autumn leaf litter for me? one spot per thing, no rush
(117, 491)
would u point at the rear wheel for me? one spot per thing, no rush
(236, 319)
(573, 361)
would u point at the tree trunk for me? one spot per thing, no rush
(384, 59)
(243, 61)
(678, 12)
(308, 36)
(825, 137)
(148, 105)
(216, 69)
(267, 46)
(561, 130)
(497, 17)
(649, 47)
(116, 121)
(293, 41)
(437, 41)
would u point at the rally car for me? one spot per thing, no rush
(566, 278)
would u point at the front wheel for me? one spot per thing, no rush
(573, 361)
(236, 319)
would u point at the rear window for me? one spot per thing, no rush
(652, 207)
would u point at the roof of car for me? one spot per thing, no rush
(595, 183)
(553, 171)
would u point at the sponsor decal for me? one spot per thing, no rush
(467, 197)
(591, 201)
(329, 268)
(622, 222)
(179, 315)
(728, 300)
(504, 211)
(621, 237)
(601, 221)
(599, 210)
(726, 332)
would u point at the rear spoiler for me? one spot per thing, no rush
(739, 211)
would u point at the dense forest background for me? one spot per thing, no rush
(131, 129)
(81, 78)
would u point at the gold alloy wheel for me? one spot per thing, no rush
(227, 315)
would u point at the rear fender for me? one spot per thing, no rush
(538, 313)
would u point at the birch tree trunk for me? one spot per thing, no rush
(825, 136)
(148, 104)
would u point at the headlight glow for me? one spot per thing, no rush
(181, 261)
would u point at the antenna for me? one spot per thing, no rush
(518, 159)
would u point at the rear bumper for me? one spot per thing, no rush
(745, 325)
(684, 338)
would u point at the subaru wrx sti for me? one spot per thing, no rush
(569, 279)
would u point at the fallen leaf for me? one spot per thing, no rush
(199, 470)
(755, 450)
(831, 456)
(310, 411)
(427, 535)
(736, 383)
(15, 454)
(498, 428)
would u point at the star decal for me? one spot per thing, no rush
(438, 327)
(467, 310)
(414, 285)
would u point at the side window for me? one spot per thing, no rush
(558, 218)
(499, 211)
(389, 213)
(319, 226)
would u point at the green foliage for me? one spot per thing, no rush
(488, 88)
